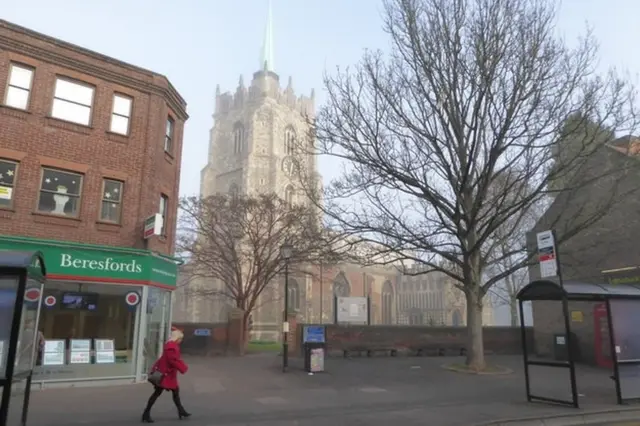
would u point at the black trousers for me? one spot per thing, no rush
(157, 391)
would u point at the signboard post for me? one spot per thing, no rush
(152, 226)
(547, 254)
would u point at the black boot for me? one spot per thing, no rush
(183, 414)
(146, 417)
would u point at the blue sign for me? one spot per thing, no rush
(313, 334)
(202, 332)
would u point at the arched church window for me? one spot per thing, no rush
(238, 138)
(294, 295)
(234, 190)
(289, 195)
(387, 302)
(341, 287)
(289, 140)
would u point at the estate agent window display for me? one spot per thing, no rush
(89, 331)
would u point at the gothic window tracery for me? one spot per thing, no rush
(289, 195)
(289, 140)
(238, 138)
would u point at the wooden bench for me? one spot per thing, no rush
(369, 351)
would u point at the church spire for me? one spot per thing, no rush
(266, 59)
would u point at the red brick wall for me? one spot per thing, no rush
(409, 339)
(34, 140)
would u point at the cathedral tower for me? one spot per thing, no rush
(252, 147)
(255, 132)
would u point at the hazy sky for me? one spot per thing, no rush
(200, 43)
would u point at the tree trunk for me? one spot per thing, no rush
(513, 306)
(475, 344)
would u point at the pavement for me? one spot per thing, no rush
(252, 390)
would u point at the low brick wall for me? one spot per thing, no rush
(416, 340)
(217, 343)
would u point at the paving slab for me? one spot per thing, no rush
(374, 391)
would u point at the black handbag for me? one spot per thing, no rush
(155, 378)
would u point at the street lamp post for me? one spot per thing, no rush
(286, 251)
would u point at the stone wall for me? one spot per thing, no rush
(413, 340)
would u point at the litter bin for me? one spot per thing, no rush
(562, 345)
(314, 346)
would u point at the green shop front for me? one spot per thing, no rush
(105, 315)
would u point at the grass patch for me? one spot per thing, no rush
(257, 346)
(488, 370)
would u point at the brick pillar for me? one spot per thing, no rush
(292, 318)
(235, 337)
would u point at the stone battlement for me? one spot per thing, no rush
(265, 85)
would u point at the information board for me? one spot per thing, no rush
(313, 334)
(53, 353)
(352, 310)
(316, 360)
(105, 351)
(80, 351)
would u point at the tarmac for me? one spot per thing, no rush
(406, 391)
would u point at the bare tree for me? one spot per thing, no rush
(234, 241)
(471, 91)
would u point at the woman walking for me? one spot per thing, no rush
(164, 376)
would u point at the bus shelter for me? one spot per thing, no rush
(22, 278)
(622, 302)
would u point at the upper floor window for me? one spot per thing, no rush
(121, 114)
(238, 138)
(8, 172)
(111, 208)
(164, 205)
(60, 192)
(19, 87)
(72, 101)
(289, 140)
(168, 135)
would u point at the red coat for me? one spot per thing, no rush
(170, 363)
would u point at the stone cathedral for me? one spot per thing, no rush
(249, 147)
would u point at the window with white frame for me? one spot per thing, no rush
(72, 101)
(121, 114)
(111, 208)
(168, 135)
(19, 87)
(164, 203)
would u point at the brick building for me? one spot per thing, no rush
(89, 148)
(604, 188)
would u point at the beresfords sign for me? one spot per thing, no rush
(108, 264)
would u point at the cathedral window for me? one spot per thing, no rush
(233, 190)
(289, 140)
(238, 138)
(289, 195)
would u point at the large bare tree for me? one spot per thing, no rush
(232, 243)
(449, 137)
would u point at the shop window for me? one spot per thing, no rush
(60, 192)
(157, 312)
(111, 209)
(89, 331)
(8, 174)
